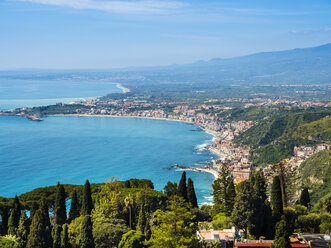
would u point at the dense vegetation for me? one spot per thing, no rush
(316, 174)
(274, 139)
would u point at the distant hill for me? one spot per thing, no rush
(301, 65)
(274, 140)
(315, 173)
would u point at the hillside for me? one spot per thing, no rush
(315, 173)
(273, 140)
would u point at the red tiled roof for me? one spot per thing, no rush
(267, 245)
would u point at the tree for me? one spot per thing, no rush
(128, 201)
(86, 236)
(191, 196)
(175, 228)
(57, 236)
(304, 198)
(224, 192)
(182, 189)
(60, 210)
(276, 199)
(74, 207)
(147, 230)
(132, 239)
(33, 208)
(171, 189)
(282, 236)
(110, 198)
(65, 237)
(327, 203)
(23, 230)
(242, 209)
(142, 219)
(261, 218)
(309, 223)
(40, 235)
(14, 217)
(87, 204)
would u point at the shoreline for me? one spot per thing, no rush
(124, 89)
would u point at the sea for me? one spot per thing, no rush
(73, 149)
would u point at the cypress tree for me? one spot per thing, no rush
(86, 237)
(60, 210)
(23, 230)
(65, 237)
(74, 207)
(87, 204)
(34, 207)
(14, 217)
(282, 236)
(191, 196)
(147, 231)
(224, 192)
(182, 189)
(142, 219)
(40, 235)
(304, 198)
(276, 199)
(57, 236)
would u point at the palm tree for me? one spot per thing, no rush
(129, 203)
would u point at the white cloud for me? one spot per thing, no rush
(142, 7)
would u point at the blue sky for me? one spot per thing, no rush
(102, 34)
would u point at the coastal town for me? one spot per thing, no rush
(206, 115)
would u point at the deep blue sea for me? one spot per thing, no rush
(73, 149)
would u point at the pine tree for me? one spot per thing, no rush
(65, 237)
(14, 217)
(57, 236)
(276, 199)
(242, 209)
(40, 235)
(60, 210)
(34, 207)
(23, 230)
(191, 196)
(142, 219)
(87, 204)
(224, 191)
(304, 198)
(74, 207)
(86, 237)
(182, 189)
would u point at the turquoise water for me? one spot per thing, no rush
(73, 149)
(31, 93)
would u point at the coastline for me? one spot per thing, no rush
(124, 89)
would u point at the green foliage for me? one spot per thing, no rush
(325, 225)
(182, 189)
(191, 196)
(87, 204)
(221, 221)
(304, 198)
(23, 230)
(57, 236)
(8, 241)
(142, 219)
(309, 223)
(86, 236)
(315, 173)
(327, 203)
(276, 199)
(60, 210)
(40, 233)
(175, 228)
(132, 239)
(74, 206)
(224, 192)
(171, 189)
(14, 217)
(242, 210)
(65, 237)
(282, 236)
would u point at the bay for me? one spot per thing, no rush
(73, 149)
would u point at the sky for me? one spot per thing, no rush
(105, 34)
